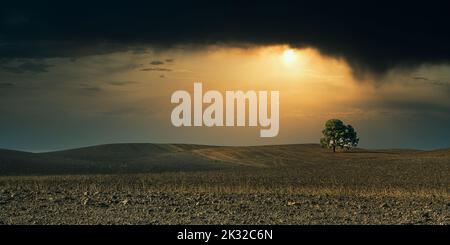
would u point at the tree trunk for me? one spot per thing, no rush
(334, 148)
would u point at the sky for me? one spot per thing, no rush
(79, 75)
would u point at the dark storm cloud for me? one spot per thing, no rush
(371, 37)
(25, 67)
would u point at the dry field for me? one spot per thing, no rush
(189, 184)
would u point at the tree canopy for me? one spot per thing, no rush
(337, 134)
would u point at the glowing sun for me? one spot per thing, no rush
(289, 56)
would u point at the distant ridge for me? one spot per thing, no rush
(147, 157)
(108, 159)
(119, 152)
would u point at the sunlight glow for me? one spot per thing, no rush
(289, 56)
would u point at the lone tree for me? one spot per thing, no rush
(337, 134)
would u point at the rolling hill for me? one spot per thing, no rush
(143, 158)
(108, 159)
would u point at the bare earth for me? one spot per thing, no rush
(297, 184)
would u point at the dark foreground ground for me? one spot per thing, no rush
(261, 185)
(206, 208)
